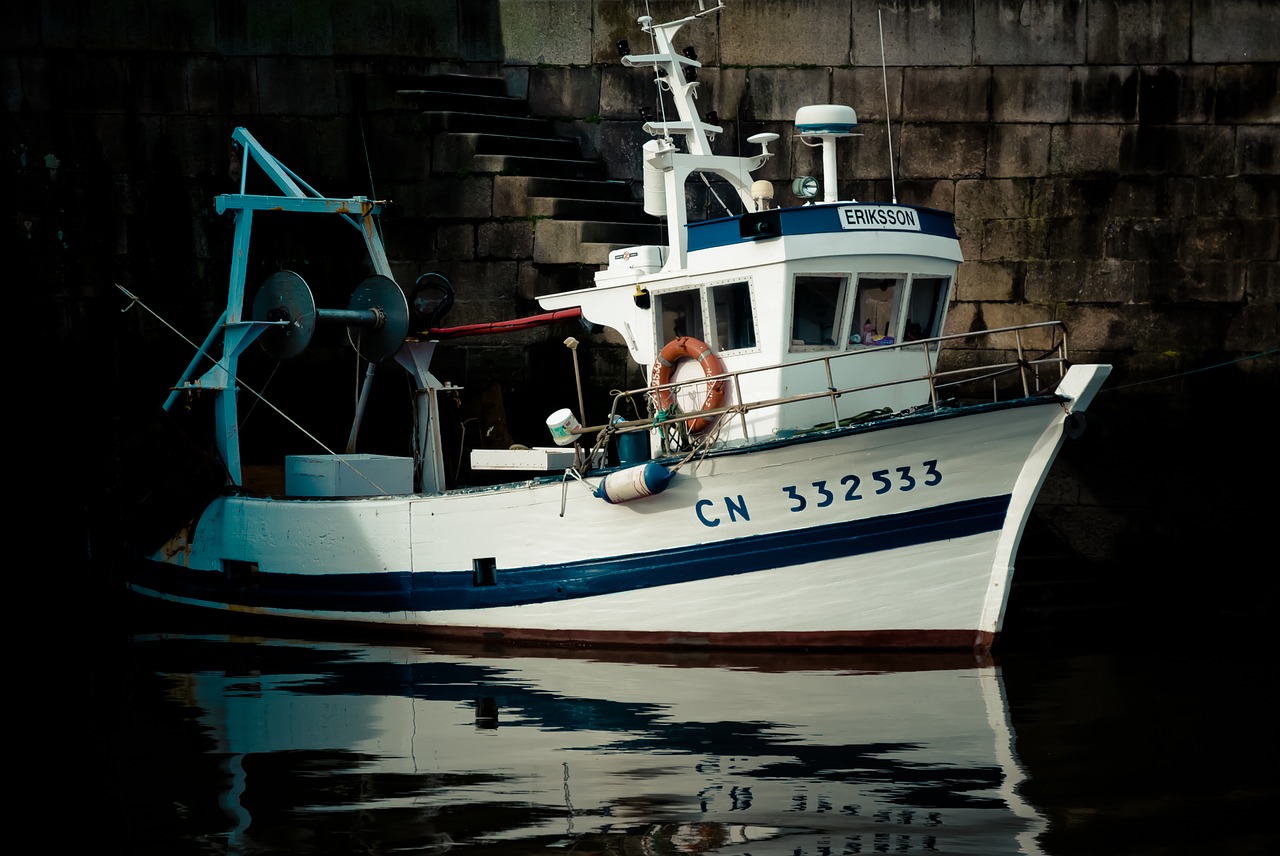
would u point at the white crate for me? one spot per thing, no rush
(347, 475)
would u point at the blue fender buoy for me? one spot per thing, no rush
(647, 479)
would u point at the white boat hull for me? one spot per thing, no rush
(898, 534)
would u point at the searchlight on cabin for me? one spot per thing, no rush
(826, 122)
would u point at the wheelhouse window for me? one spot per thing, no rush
(731, 316)
(925, 305)
(817, 311)
(680, 313)
(876, 310)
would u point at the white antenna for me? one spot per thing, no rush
(893, 185)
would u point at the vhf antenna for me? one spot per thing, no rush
(888, 127)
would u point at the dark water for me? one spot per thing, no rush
(201, 739)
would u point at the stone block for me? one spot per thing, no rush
(1104, 94)
(1216, 281)
(727, 95)
(564, 92)
(1262, 282)
(622, 140)
(517, 80)
(776, 94)
(511, 198)
(1247, 94)
(1257, 196)
(1254, 328)
(588, 134)
(399, 29)
(1018, 151)
(1035, 32)
(616, 20)
(971, 231)
(158, 84)
(1102, 329)
(1085, 149)
(177, 27)
(1258, 151)
(993, 198)
(456, 242)
(1056, 281)
(1180, 150)
(938, 193)
(1136, 196)
(997, 315)
(505, 240)
(297, 86)
(1176, 94)
(1013, 239)
(545, 32)
(1140, 33)
(914, 34)
(393, 156)
(965, 94)
(24, 26)
(479, 30)
(1234, 31)
(226, 85)
(863, 89)
(541, 279)
(1066, 237)
(486, 281)
(942, 151)
(468, 197)
(1030, 93)
(1132, 238)
(986, 281)
(80, 83)
(624, 92)
(785, 33)
(275, 28)
(1230, 238)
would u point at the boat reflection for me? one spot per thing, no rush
(339, 747)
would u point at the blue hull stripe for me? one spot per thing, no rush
(807, 220)
(396, 591)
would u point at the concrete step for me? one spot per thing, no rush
(534, 196)
(412, 87)
(435, 122)
(552, 148)
(439, 101)
(570, 209)
(544, 167)
(584, 242)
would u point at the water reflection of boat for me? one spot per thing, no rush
(422, 750)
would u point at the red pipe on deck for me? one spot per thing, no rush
(503, 326)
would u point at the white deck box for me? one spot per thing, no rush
(347, 475)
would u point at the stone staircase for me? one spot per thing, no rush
(579, 212)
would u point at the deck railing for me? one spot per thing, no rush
(942, 382)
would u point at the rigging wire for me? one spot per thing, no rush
(1259, 356)
(133, 298)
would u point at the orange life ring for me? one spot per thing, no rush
(689, 348)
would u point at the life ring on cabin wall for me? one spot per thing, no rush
(689, 348)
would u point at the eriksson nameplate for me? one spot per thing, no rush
(880, 217)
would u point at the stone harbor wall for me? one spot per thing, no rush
(1110, 164)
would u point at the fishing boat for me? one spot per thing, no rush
(813, 460)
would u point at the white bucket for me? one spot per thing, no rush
(562, 424)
